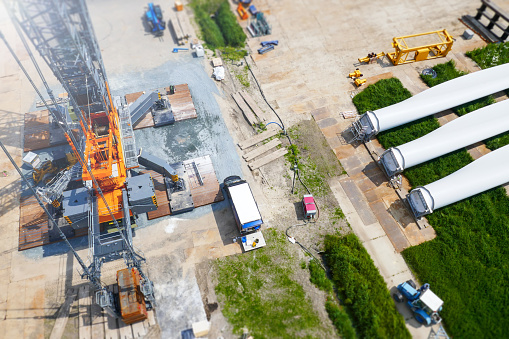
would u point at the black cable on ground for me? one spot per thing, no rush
(303, 247)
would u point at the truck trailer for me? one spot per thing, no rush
(246, 212)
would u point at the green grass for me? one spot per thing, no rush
(383, 93)
(408, 132)
(257, 290)
(497, 141)
(437, 168)
(445, 72)
(473, 105)
(363, 289)
(491, 55)
(467, 264)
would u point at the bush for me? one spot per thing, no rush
(491, 55)
(445, 72)
(227, 22)
(340, 320)
(383, 93)
(318, 277)
(209, 29)
(363, 289)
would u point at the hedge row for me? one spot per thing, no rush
(363, 289)
(233, 34)
(221, 31)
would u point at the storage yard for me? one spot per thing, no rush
(156, 248)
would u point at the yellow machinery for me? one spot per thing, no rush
(358, 82)
(404, 54)
(356, 74)
(371, 58)
(45, 172)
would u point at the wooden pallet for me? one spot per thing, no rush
(33, 224)
(181, 103)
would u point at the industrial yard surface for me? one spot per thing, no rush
(304, 79)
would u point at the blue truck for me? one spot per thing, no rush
(424, 304)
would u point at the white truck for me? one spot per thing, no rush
(246, 212)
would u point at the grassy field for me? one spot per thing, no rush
(363, 289)
(466, 264)
(257, 290)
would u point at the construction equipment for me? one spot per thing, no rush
(100, 136)
(154, 17)
(45, 172)
(356, 74)
(371, 58)
(359, 82)
(242, 12)
(424, 304)
(404, 54)
(268, 43)
(265, 49)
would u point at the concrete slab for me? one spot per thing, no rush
(357, 199)
(390, 226)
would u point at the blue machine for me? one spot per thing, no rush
(423, 302)
(265, 49)
(155, 20)
(268, 43)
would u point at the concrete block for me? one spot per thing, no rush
(201, 328)
(468, 34)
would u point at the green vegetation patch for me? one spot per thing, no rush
(445, 72)
(491, 55)
(337, 314)
(232, 32)
(402, 134)
(363, 289)
(497, 141)
(210, 31)
(341, 320)
(474, 105)
(221, 31)
(467, 264)
(317, 162)
(257, 290)
(437, 168)
(381, 94)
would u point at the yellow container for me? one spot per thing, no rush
(179, 6)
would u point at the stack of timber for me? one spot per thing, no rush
(256, 153)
